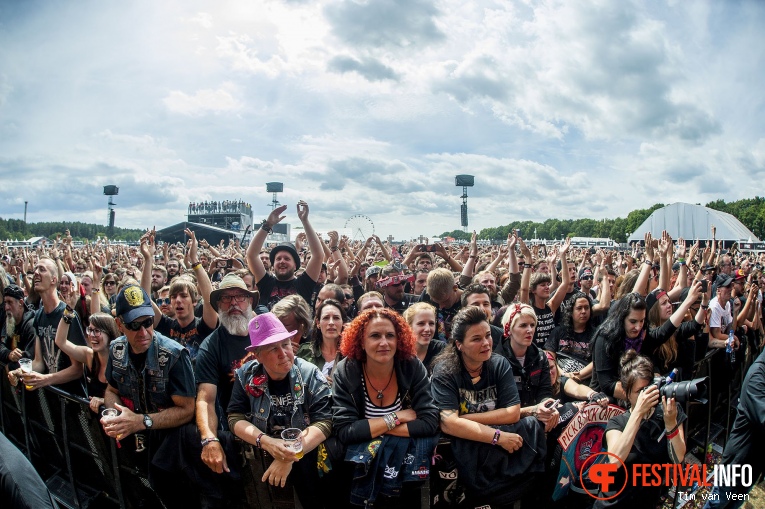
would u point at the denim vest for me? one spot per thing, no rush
(162, 355)
(307, 384)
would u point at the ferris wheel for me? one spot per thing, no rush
(361, 227)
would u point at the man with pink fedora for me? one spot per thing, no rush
(279, 392)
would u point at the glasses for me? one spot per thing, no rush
(93, 332)
(227, 299)
(109, 283)
(163, 302)
(136, 325)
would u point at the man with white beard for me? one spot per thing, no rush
(18, 334)
(220, 354)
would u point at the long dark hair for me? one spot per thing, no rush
(612, 329)
(106, 323)
(567, 313)
(316, 336)
(449, 361)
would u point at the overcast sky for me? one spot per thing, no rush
(560, 109)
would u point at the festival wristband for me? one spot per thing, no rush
(257, 441)
(209, 440)
(496, 437)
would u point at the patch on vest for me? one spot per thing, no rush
(163, 358)
(119, 351)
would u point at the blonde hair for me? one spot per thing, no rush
(440, 283)
(416, 308)
(513, 313)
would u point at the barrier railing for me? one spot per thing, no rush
(63, 439)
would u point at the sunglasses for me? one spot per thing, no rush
(109, 283)
(163, 302)
(136, 325)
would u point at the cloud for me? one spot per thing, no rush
(202, 102)
(385, 23)
(370, 68)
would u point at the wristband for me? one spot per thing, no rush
(257, 441)
(705, 306)
(67, 319)
(395, 419)
(648, 262)
(265, 227)
(673, 434)
(496, 437)
(209, 440)
(526, 265)
(333, 249)
(196, 266)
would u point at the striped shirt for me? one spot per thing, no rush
(371, 410)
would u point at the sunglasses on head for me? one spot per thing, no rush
(163, 302)
(136, 325)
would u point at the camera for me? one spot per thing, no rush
(693, 390)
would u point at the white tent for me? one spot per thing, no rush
(693, 222)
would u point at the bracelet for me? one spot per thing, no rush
(67, 319)
(395, 419)
(257, 441)
(209, 440)
(196, 266)
(496, 437)
(648, 262)
(95, 290)
(333, 248)
(673, 434)
(705, 306)
(388, 418)
(526, 265)
(265, 227)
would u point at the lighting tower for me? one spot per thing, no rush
(111, 192)
(464, 181)
(274, 187)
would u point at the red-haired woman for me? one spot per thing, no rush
(380, 388)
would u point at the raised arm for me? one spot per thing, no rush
(641, 283)
(253, 251)
(468, 270)
(313, 268)
(556, 300)
(203, 281)
(526, 277)
(79, 353)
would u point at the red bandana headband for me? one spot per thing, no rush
(516, 308)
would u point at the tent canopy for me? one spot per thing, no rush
(693, 222)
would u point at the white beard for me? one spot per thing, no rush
(236, 325)
(10, 324)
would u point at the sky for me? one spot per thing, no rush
(371, 107)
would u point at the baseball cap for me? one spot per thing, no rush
(132, 303)
(653, 297)
(739, 275)
(723, 281)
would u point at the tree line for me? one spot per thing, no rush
(15, 229)
(751, 213)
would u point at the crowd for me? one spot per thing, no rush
(213, 207)
(341, 366)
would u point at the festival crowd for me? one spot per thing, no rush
(354, 372)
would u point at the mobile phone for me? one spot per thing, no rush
(222, 264)
(430, 248)
(704, 284)
(229, 263)
(552, 403)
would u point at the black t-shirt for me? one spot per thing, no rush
(572, 344)
(220, 355)
(434, 348)
(647, 448)
(281, 405)
(545, 325)
(190, 336)
(496, 388)
(46, 325)
(272, 290)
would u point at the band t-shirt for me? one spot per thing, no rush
(220, 355)
(495, 388)
(566, 341)
(282, 404)
(190, 336)
(272, 290)
(46, 325)
(545, 325)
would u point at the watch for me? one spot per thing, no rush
(147, 421)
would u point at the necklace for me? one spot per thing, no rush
(379, 391)
(477, 378)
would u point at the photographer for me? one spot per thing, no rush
(646, 433)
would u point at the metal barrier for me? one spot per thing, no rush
(63, 439)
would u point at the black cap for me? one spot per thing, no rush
(14, 291)
(285, 247)
(723, 281)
